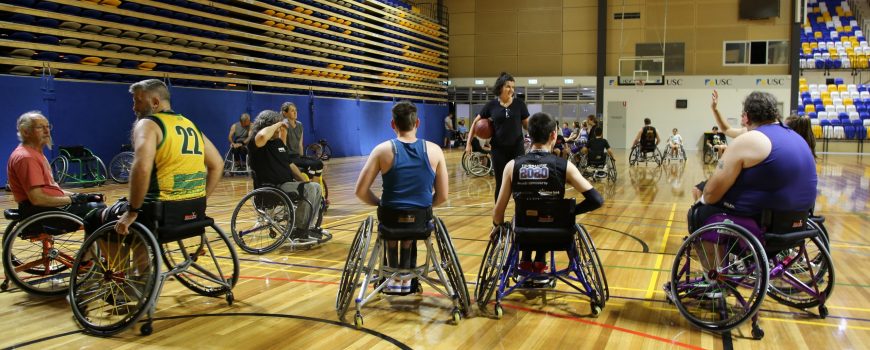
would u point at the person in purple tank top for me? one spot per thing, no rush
(767, 166)
(414, 175)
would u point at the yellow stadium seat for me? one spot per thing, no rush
(269, 23)
(280, 14)
(832, 87)
(827, 101)
(842, 88)
(269, 12)
(809, 108)
(308, 12)
(91, 61)
(298, 9)
(848, 101)
(280, 25)
(817, 131)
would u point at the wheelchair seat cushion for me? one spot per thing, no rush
(189, 229)
(545, 223)
(405, 224)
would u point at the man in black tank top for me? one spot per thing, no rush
(542, 175)
(648, 136)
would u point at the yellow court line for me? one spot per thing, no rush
(850, 246)
(660, 257)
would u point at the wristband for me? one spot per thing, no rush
(134, 210)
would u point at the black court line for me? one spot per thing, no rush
(380, 335)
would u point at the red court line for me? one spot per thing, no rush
(620, 329)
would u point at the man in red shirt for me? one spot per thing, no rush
(29, 174)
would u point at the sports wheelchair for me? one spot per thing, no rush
(266, 217)
(319, 150)
(711, 155)
(541, 225)
(232, 166)
(477, 163)
(599, 166)
(401, 225)
(121, 276)
(645, 153)
(723, 271)
(667, 154)
(77, 165)
(39, 251)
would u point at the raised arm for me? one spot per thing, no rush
(723, 124)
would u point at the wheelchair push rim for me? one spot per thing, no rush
(119, 167)
(353, 267)
(452, 267)
(119, 288)
(719, 299)
(274, 218)
(804, 275)
(205, 275)
(492, 266)
(39, 262)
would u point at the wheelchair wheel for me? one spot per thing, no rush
(721, 297)
(206, 275)
(464, 162)
(121, 283)
(494, 259)
(119, 167)
(39, 252)
(314, 150)
(59, 168)
(262, 220)
(452, 267)
(633, 156)
(479, 164)
(611, 171)
(353, 267)
(808, 265)
(590, 264)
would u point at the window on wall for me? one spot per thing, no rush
(743, 53)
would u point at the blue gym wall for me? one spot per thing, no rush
(99, 115)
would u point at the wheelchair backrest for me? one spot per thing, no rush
(405, 223)
(784, 221)
(545, 213)
(76, 152)
(163, 216)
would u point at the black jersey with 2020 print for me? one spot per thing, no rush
(506, 121)
(539, 175)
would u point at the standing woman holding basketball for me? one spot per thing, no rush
(508, 117)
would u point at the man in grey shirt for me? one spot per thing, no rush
(239, 137)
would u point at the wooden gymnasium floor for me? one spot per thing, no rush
(285, 299)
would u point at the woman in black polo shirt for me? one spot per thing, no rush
(508, 116)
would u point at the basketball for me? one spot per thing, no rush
(483, 129)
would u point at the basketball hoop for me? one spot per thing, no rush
(639, 83)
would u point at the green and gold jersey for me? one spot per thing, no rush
(179, 164)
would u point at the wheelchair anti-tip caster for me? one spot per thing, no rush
(596, 309)
(499, 312)
(146, 329)
(457, 316)
(757, 332)
(230, 299)
(358, 321)
(823, 311)
(5, 285)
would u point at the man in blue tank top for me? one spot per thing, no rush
(414, 176)
(767, 166)
(540, 174)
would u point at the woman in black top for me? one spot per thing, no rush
(508, 116)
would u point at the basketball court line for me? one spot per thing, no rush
(660, 258)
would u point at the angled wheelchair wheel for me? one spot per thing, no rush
(59, 168)
(494, 259)
(210, 273)
(464, 162)
(314, 150)
(818, 223)
(119, 167)
(807, 276)
(97, 174)
(611, 171)
(353, 268)
(719, 277)
(262, 220)
(590, 264)
(633, 156)
(38, 253)
(120, 279)
(452, 267)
